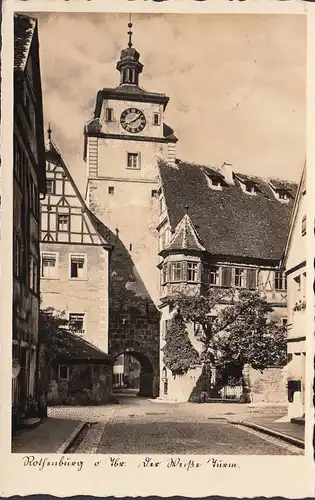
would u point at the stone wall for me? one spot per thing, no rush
(87, 384)
(268, 386)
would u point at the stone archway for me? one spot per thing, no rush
(149, 377)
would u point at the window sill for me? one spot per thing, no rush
(133, 168)
(46, 278)
(77, 279)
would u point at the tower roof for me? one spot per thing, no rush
(129, 65)
(185, 238)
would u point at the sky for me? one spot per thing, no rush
(236, 82)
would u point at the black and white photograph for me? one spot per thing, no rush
(158, 234)
(158, 263)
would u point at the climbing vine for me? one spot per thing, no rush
(179, 355)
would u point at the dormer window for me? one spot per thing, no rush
(283, 196)
(250, 188)
(281, 192)
(214, 181)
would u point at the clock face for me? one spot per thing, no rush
(132, 120)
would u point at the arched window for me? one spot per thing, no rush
(165, 380)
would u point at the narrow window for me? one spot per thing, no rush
(109, 114)
(77, 266)
(76, 322)
(49, 265)
(176, 271)
(133, 161)
(154, 193)
(111, 189)
(63, 222)
(303, 229)
(156, 119)
(17, 256)
(50, 186)
(63, 372)
(214, 275)
(280, 281)
(192, 268)
(130, 247)
(33, 274)
(239, 278)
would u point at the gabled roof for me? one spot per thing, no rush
(184, 238)
(54, 156)
(80, 349)
(297, 201)
(230, 222)
(24, 28)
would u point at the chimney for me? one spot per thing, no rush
(227, 170)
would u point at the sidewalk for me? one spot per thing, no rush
(288, 431)
(53, 435)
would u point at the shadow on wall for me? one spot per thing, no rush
(133, 317)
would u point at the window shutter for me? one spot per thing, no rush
(226, 276)
(251, 281)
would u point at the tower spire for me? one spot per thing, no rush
(129, 65)
(130, 32)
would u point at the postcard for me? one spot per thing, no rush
(157, 229)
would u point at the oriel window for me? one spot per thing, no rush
(176, 271)
(77, 266)
(192, 271)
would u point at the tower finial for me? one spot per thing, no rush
(130, 32)
(49, 132)
(187, 209)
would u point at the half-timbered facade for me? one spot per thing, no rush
(75, 251)
(225, 230)
(28, 184)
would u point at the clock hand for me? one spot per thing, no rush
(134, 119)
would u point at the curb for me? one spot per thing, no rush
(285, 437)
(63, 448)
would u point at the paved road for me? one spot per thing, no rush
(140, 426)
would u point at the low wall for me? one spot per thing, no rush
(87, 384)
(268, 386)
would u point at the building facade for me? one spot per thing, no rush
(75, 252)
(121, 144)
(295, 264)
(223, 230)
(28, 184)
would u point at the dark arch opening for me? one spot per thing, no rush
(133, 370)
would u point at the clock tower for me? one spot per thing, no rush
(121, 146)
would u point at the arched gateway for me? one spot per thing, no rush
(148, 372)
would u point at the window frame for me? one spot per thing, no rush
(179, 268)
(195, 271)
(157, 122)
(78, 255)
(280, 279)
(59, 215)
(242, 277)
(81, 331)
(109, 114)
(216, 273)
(53, 185)
(68, 372)
(56, 260)
(133, 154)
(111, 190)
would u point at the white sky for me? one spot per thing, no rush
(236, 83)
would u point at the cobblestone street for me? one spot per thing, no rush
(138, 425)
